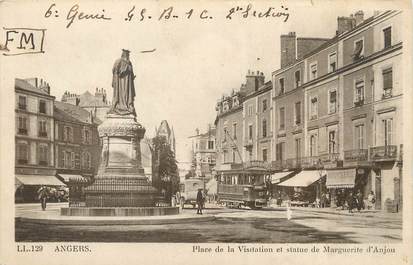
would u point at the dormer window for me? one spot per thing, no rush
(313, 71)
(387, 37)
(297, 77)
(358, 50)
(282, 88)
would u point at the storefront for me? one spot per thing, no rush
(305, 188)
(26, 186)
(342, 182)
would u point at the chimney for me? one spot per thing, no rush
(254, 80)
(345, 24)
(288, 49)
(197, 131)
(359, 17)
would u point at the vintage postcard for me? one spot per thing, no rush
(206, 132)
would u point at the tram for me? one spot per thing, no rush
(245, 187)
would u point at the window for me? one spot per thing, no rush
(224, 157)
(68, 134)
(22, 103)
(358, 50)
(332, 101)
(250, 110)
(22, 153)
(387, 82)
(225, 133)
(264, 105)
(42, 106)
(281, 124)
(264, 155)
(313, 108)
(234, 131)
(86, 160)
(282, 88)
(359, 136)
(22, 125)
(388, 131)
(313, 71)
(387, 37)
(298, 147)
(332, 62)
(72, 159)
(233, 155)
(279, 151)
(210, 145)
(297, 113)
(42, 129)
(297, 78)
(43, 155)
(250, 132)
(359, 93)
(313, 145)
(264, 128)
(332, 142)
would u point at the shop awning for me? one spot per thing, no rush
(304, 178)
(67, 177)
(276, 177)
(39, 180)
(343, 178)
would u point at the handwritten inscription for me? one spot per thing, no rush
(23, 41)
(170, 13)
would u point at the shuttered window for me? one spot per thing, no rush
(387, 37)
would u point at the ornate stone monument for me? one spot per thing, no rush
(121, 187)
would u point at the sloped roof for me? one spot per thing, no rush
(89, 100)
(69, 112)
(23, 84)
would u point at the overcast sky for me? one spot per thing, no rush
(195, 61)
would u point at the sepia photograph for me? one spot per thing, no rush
(263, 125)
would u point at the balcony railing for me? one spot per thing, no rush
(279, 164)
(43, 163)
(359, 102)
(42, 134)
(293, 162)
(310, 161)
(23, 131)
(22, 106)
(22, 161)
(356, 155)
(327, 158)
(387, 152)
(257, 163)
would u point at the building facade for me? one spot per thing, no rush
(77, 148)
(34, 154)
(331, 117)
(350, 98)
(204, 152)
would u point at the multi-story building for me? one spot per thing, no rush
(77, 148)
(204, 152)
(34, 161)
(339, 108)
(243, 131)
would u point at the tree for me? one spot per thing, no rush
(164, 167)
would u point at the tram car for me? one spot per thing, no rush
(242, 190)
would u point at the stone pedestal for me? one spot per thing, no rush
(120, 181)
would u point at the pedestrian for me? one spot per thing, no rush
(360, 202)
(43, 194)
(199, 201)
(350, 202)
(371, 201)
